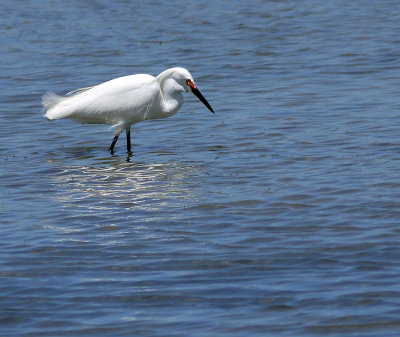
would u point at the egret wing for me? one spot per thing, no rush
(121, 100)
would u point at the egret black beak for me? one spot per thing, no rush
(198, 94)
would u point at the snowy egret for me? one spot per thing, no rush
(124, 101)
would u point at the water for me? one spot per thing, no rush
(278, 216)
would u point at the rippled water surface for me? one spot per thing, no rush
(277, 216)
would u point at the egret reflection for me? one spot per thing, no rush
(126, 185)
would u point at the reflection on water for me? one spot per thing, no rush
(138, 186)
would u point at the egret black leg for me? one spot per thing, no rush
(128, 141)
(111, 149)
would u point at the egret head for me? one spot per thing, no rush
(185, 82)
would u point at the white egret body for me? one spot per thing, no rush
(124, 101)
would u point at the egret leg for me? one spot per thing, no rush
(111, 149)
(128, 141)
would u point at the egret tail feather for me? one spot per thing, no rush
(51, 104)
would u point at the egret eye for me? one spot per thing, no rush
(190, 83)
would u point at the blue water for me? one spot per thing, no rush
(277, 216)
